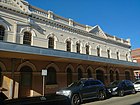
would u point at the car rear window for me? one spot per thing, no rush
(95, 83)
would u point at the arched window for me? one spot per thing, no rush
(118, 55)
(127, 75)
(87, 49)
(51, 42)
(117, 75)
(1, 77)
(126, 57)
(89, 73)
(108, 53)
(69, 76)
(68, 46)
(78, 47)
(80, 74)
(27, 38)
(51, 77)
(2, 32)
(111, 76)
(98, 51)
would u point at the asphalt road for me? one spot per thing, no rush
(132, 99)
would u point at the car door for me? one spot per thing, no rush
(124, 86)
(129, 86)
(95, 86)
(85, 90)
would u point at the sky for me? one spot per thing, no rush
(120, 18)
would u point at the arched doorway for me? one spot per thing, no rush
(127, 75)
(51, 77)
(1, 78)
(111, 76)
(117, 75)
(80, 74)
(89, 73)
(69, 76)
(25, 81)
(100, 75)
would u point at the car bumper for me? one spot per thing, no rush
(137, 89)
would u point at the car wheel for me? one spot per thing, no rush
(133, 91)
(101, 95)
(75, 99)
(121, 93)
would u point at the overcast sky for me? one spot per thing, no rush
(120, 18)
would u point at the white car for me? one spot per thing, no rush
(137, 85)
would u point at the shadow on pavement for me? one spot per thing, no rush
(94, 100)
(138, 103)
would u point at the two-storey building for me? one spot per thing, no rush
(32, 39)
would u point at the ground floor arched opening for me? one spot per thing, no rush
(25, 85)
(100, 75)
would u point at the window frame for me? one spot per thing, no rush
(78, 47)
(51, 42)
(27, 38)
(68, 45)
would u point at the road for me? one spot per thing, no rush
(132, 99)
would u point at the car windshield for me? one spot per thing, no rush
(76, 83)
(115, 83)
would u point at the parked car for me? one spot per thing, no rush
(84, 89)
(121, 87)
(137, 85)
(52, 99)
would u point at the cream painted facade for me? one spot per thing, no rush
(18, 60)
(43, 24)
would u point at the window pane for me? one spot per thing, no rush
(78, 47)
(27, 38)
(68, 46)
(51, 42)
(98, 51)
(87, 49)
(2, 32)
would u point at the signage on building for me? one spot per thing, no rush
(44, 72)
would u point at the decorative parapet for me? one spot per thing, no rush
(50, 15)
(71, 22)
(16, 5)
(120, 40)
(37, 11)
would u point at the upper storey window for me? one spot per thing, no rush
(118, 55)
(68, 46)
(98, 51)
(27, 38)
(126, 57)
(87, 49)
(2, 32)
(108, 53)
(51, 42)
(78, 47)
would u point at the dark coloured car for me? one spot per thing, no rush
(84, 89)
(52, 99)
(121, 87)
